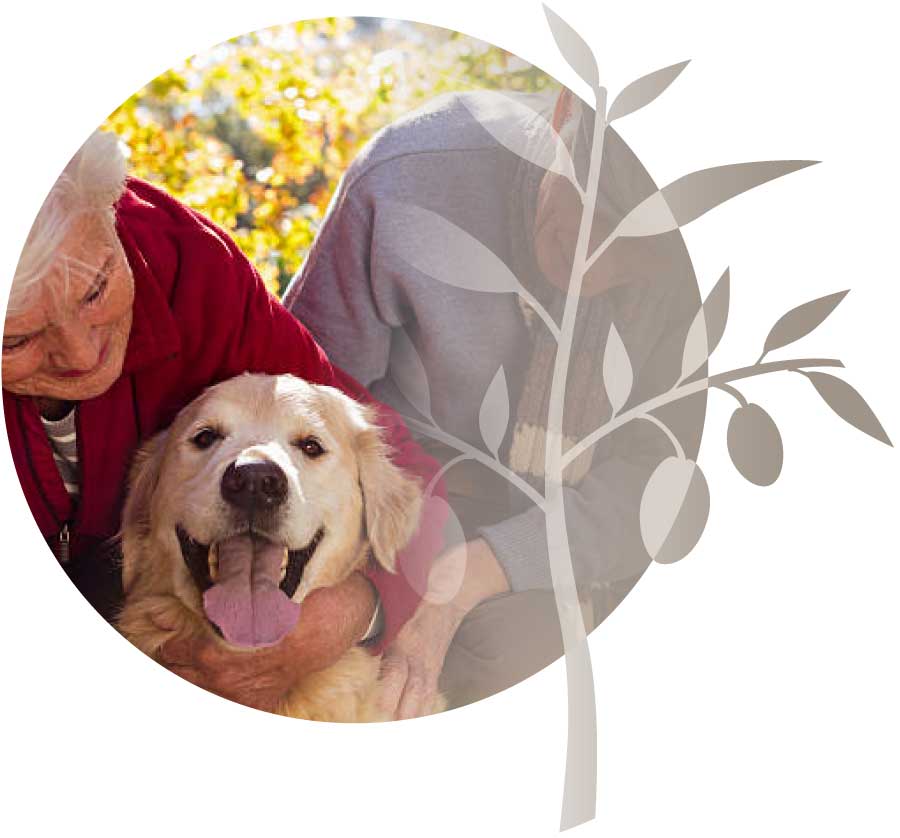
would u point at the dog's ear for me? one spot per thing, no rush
(142, 479)
(393, 500)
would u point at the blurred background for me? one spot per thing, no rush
(256, 132)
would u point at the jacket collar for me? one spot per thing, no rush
(154, 334)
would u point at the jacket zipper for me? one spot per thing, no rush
(62, 544)
(61, 547)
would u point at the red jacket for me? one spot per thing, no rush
(201, 315)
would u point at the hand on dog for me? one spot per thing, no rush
(331, 621)
(412, 665)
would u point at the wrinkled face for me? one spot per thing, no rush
(69, 342)
(259, 498)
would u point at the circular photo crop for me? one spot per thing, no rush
(338, 370)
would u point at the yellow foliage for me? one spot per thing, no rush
(256, 132)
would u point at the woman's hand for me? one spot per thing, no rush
(331, 621)
(460, 579)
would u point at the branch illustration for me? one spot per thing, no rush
(443, 470)
(473, 453)
(541, 312)
(689, 389)
(731, 392)
(675, 502)
(580, 788)
(679, 451)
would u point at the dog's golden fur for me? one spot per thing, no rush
(352, 492)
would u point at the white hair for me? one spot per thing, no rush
(92, 181)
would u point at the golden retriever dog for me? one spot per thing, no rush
(263, 489)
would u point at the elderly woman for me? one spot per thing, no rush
(125, 305)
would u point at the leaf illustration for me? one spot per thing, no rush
(618, 376)
(577, 53)
(408, 373)
(800, 321)
(442, 250)
(716, 310)
(650, 217)
(493, 417)
(644, 91)
(691, 196)
(848, 404)
(674, 509)
(708, 327)
(538, 143)
(754, 445)
(696, 345)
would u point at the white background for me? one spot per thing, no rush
(750, 690)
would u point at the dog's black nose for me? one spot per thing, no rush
(257, 484)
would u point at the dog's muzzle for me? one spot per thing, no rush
(246, 582)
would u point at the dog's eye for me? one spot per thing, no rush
(310, 446)
(205, 438)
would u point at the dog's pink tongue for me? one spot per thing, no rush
(245, 602)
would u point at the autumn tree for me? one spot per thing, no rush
(256, 132)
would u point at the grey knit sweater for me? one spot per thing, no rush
(355, 293)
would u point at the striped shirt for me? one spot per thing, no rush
(64, 443)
